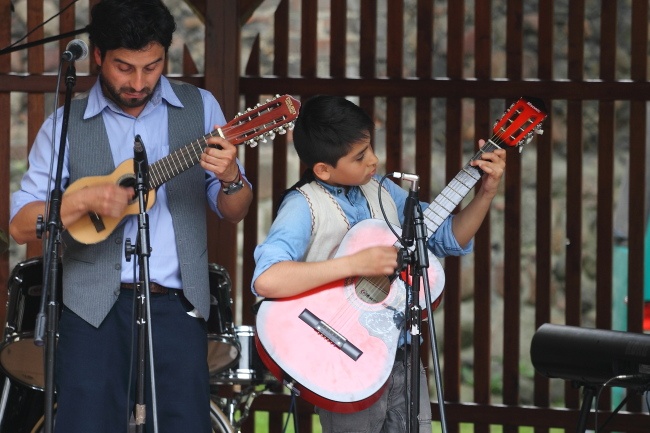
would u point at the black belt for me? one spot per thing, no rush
(153, 288)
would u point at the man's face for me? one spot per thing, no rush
(128, 77)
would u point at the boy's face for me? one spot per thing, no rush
(355, 168)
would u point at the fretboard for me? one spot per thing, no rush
(178, 161)
(451, 196)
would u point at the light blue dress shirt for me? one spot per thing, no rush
(122, 128)
(290, 233)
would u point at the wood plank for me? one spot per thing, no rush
(512, 222)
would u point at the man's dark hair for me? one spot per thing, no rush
(130, 24)
(327, 127)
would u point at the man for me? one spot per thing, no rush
(96, 346)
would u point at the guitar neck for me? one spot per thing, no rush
(451, 196)
(178, 161)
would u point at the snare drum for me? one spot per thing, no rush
(250, 369)
(20, 358)
(223, 348)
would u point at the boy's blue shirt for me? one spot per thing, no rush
(290, 233)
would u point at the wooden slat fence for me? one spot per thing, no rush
(435, 74)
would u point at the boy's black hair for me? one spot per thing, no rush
(325, 131)
(130, 24)
(327, 127)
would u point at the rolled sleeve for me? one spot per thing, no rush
(288, 237)
(443, 242)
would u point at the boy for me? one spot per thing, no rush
(332, 138)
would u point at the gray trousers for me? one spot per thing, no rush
(386, 415)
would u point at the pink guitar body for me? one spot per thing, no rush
(364, 316)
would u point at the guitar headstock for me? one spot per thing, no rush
(263, 121)
(520, 122)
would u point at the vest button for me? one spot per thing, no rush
(118, 240)
(118, 267)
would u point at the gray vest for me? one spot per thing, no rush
(92, 273)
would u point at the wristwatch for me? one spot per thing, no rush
(233, 187)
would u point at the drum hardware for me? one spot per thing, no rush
(232, 356)
(218, 421)
(249, 369)
(20, 358)
(240, 402)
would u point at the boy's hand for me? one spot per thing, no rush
(374, 261)
(493, 164)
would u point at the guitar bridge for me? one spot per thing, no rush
(330, 334)
(97, 221)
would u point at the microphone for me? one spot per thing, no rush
(408, 228)
(75, 50)
(140, 164)
(406, 176)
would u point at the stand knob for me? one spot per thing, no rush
(129, 249)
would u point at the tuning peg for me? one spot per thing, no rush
(271, 135)
(281, 130)
(539, 131)
(290, 126)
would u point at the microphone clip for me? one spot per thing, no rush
(140, 165)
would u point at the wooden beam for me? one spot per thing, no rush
(246, 9)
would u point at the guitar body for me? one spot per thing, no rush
(91, 228)
(367, 313)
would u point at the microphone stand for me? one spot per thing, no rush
(24, 46)
(50, 319)
(418, 260)
(143, 319)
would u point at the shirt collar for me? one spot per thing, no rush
(97, 101)
(352, 191)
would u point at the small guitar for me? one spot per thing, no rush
(255, 125)
(335, 345)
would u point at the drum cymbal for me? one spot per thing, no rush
(4, 242)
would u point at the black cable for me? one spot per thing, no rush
(40, 25)
(292, 405)
(383, 211)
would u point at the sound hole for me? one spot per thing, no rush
(128, 181)
(373, 290)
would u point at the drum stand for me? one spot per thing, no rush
(418, 263)
(143, 250)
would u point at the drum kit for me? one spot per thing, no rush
(237, 375)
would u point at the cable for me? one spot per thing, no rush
(40, 25)
(383, 211)
(292, 411)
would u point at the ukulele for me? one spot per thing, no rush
(251, 127)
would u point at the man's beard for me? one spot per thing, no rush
(115, 95)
